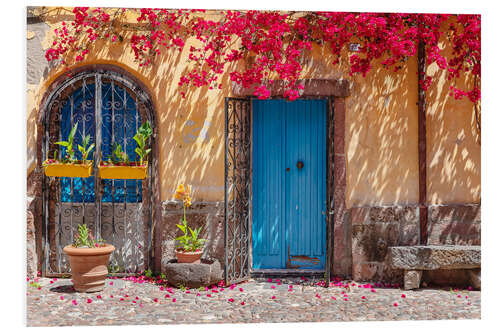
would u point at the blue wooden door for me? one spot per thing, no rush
(289, 184)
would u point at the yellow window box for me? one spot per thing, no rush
(68, 170)
(123, 171)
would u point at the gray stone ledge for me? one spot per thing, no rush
(431, 257)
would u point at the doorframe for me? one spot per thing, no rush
(339, 257)
(141, 90)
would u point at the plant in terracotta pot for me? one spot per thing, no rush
(118, 164)
(68, 165)
(88, 259)
(191, 247)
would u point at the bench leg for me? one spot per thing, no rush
(475, 278)
(412, 279)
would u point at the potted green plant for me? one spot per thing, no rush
(191, 245)
(88, 259)
(68, 165)
(119, 166)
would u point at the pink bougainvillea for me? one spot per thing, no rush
(275, 44)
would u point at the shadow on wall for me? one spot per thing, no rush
(453, 144)
(382, 138)
(191, 130)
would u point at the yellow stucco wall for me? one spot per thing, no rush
(381, 129)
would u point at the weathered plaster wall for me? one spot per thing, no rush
(381, 126)
(379, 150)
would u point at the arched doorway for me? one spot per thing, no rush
(109, 106)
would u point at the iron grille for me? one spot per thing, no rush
(237, 189)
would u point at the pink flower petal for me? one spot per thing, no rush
(74, 302)
(273, 297)
(242, 303)
(61, 298)
(403, 296)
(173, 300)
(231, 300)
(155, 300)
(395, 304)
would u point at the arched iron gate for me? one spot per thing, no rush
(109, 107)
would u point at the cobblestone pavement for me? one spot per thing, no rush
(53, 302)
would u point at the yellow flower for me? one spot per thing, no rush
(180, 192)
(187, 202)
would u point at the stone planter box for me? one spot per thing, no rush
(192, 275)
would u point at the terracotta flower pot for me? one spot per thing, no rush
(188, 257)
(89, 266)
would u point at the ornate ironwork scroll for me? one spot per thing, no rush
(237, 189)
(109, 107)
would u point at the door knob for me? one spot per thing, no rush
(300, 165)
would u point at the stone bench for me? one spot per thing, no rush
(416, 259)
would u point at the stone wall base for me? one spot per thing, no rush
(374, 229)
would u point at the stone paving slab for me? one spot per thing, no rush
(125, 302)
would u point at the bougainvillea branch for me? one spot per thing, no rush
(275, 44)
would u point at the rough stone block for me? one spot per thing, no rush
(435, 257)
(412, 279)
(193, 275)
(31, 254)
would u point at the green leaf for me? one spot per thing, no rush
(62, 143)
(138, 151)
(72, 133)
(182, 227)
(193, 234)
